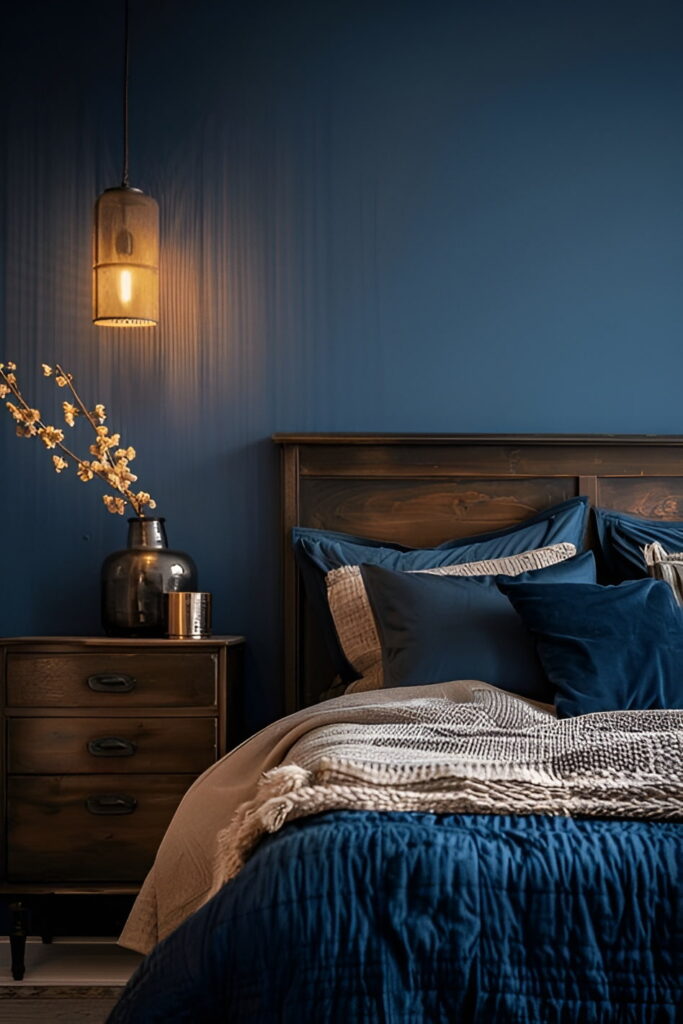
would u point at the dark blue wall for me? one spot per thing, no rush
(412, 216)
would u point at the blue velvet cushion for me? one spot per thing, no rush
(605, 648)
(436, 628)
(319, 551)
(621, 539)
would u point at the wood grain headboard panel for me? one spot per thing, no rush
(420, 489)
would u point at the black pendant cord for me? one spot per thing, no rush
(124, 176)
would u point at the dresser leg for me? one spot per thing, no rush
(19, 917)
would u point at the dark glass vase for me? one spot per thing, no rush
(136, 580)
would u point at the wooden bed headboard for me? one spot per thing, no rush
(422, 489)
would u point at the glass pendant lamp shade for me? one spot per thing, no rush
(126, 259)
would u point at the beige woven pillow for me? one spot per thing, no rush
(355, 623)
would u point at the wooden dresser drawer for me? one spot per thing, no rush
(49, 746)
(106, 679)
(78, 829)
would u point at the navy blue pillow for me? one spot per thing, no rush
(318, 551)
(605, 648)
(436, 628)
(621, 539)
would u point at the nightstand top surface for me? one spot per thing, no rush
(120, 641)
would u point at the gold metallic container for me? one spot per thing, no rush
(189, 615)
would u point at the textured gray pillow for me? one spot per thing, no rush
(662, 565)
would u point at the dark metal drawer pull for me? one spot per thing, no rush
(111, 682)
(111, 803)
(111, 746)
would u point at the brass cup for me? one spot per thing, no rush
(189, 615)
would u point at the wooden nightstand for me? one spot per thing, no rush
(100, 740)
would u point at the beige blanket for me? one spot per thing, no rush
(454, 747)
(495, 755)
(184, 873)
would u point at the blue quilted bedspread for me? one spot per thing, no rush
(362, 916)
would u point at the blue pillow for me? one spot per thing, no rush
(318, 551)
(621, 539)
(436, 628)
(605, 648)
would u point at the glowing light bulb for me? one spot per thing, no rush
(125, 286)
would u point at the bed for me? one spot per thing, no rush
(445, 847)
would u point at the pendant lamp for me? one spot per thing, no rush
(126, 244)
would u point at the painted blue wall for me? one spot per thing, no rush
(411, 216)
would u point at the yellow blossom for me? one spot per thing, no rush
(143, 498)
(50, 436)
(125, 453)
(70, 413)
(104, 442)
(61, 381)
(120, 478)
(114, 505)
(84, 471)
(27, 416)
(11, 378)
(123, 473)
(59, 463)
(47, 370)
(4, 390)
(11, 366)
(100, 413)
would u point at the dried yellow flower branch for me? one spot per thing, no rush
(70, 413)
(111, 468)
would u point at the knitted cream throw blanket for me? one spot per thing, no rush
(443, 745)
(495, 755)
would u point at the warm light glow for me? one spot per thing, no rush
(125, 286)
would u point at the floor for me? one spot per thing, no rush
(69, 981)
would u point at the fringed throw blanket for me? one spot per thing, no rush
(495, 755)
(448, 744)
(556, 917)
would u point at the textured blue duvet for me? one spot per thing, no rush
(364, 916)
